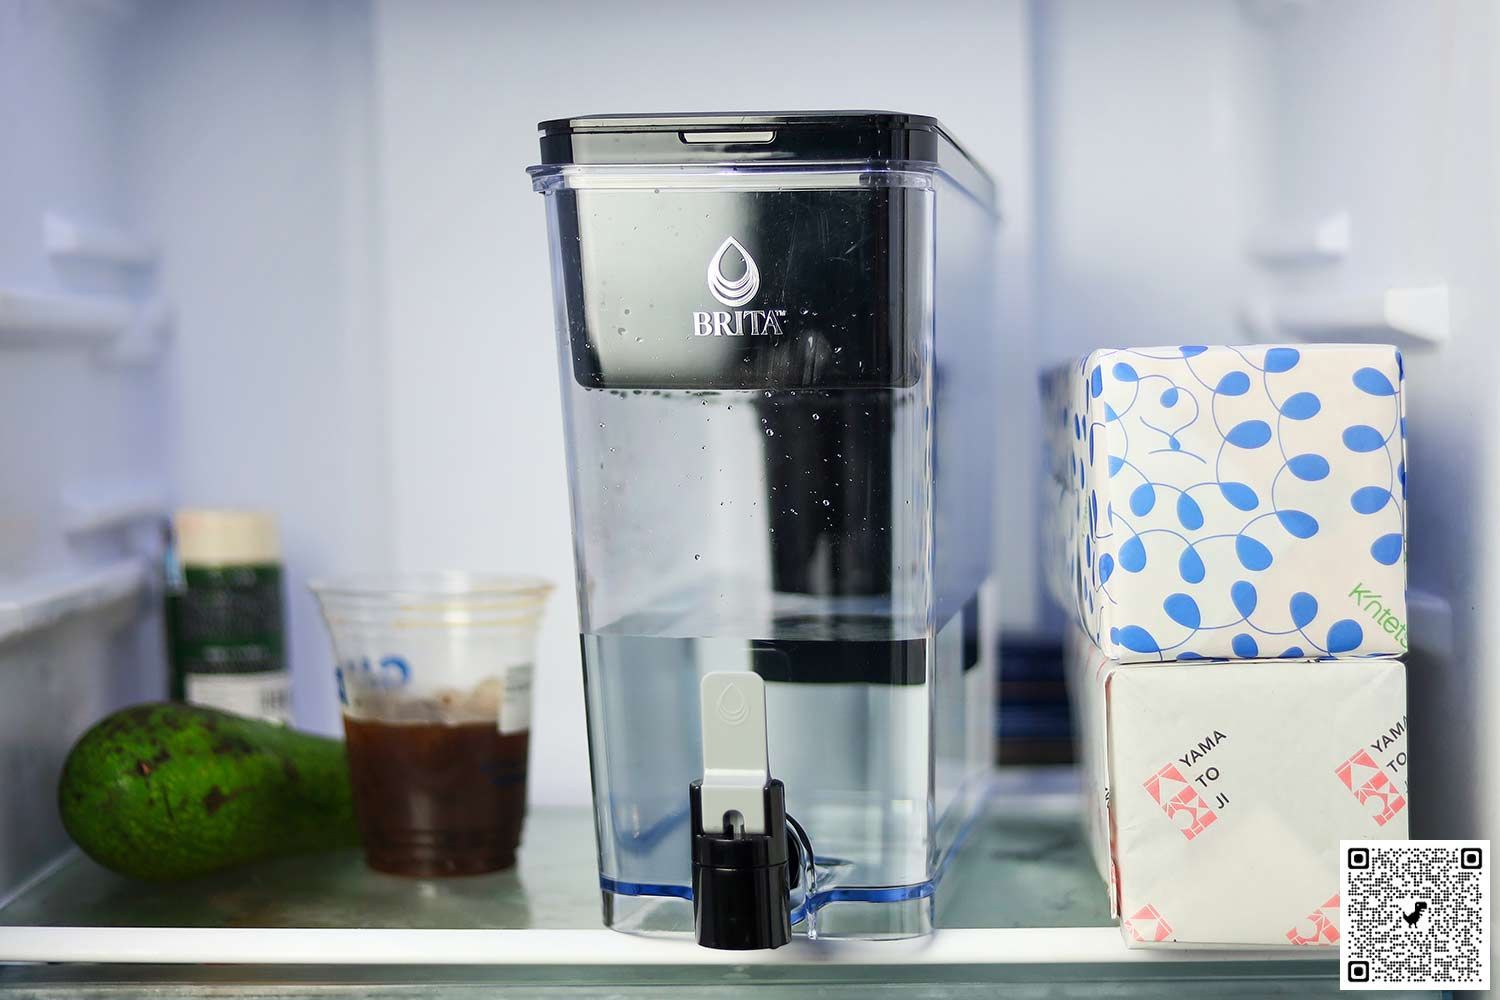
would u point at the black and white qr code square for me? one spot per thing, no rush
(1414, 914)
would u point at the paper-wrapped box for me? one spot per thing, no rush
(1217, 794)
(1234, 502)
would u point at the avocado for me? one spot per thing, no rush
(170, 791)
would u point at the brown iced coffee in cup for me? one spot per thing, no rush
(434, 676)
(438, 788)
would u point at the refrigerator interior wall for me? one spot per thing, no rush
(82, 422)
(1319, 170)
(1151, 165)
(1391, 116)
(250, 154)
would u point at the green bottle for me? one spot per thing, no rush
(224, 613)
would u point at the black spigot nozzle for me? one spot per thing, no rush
(742, 881)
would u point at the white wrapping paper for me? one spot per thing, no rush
(1217, 793)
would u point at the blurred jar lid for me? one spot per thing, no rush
(222, 537)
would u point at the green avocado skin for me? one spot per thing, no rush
(170, 791)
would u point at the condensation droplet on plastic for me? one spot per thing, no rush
(816, 417)
(770, 433)
(696, 557)
(825, 503)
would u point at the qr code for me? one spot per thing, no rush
(1416, 914)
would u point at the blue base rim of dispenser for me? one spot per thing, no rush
(818, 900)
(845, 894)
(645, 888)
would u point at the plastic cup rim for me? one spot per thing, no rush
(442, 588)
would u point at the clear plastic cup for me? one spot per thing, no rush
(434, 675)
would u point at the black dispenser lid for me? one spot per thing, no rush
(764, 138)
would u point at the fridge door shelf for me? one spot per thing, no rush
(122, 332)
(1302, 244)
(1410, 315)
(70, 239)
(46, 600)
(92, 512)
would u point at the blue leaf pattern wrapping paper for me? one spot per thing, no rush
(1230, 502)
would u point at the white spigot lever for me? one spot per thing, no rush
(736, 762)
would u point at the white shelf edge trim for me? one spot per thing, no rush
(70, 239)
(47, 600)
(1326, 240)
(351, 946)
(87, 514)
(1416, 314)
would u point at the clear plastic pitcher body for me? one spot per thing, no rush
(780, 464)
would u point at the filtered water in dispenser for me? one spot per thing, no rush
(777, 343)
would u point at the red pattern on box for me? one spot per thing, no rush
(1176, 796)
(1147, 924)
(1320, 927)
(1362, 776)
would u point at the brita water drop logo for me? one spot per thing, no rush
(732, 706)
(736, 292)
(739, 291)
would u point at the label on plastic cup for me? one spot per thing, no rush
(515, 703)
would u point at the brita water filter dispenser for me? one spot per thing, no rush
(776, 337)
